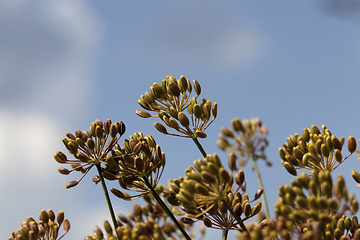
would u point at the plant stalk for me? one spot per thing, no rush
(260, 184)
(224, 234)
(111, 210)
(165, 208)
(199, 146)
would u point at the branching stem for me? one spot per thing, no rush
(111, 210)
(260, 184)
(165, 208)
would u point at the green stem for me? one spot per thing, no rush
(260, 184)
(199, 146)
(111, 210)
(235, 216)
(165, 208)
(224, 234)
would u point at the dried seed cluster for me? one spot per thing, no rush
(314, 202)
(247, 137)
(144, 223)
(90, 148)
(207, 192)
(170, 100)
(139, 157)
(316, 150)
(46, 228)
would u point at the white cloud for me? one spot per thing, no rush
(47, 49)
(197, 34)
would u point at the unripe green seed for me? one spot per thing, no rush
(289, 168)
(174, 89)
(183, 119)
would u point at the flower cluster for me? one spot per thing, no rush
(170, 100)
(140, 158)
(317, 207)
(249, 139)
(207, 194)
(46, 228)
(316, 150)
(91, 148)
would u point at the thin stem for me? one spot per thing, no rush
(199, 146)
(260, 184)
(235, 216)
(111, 210)
(165, 208)
(224, 234)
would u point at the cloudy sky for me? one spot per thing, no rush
(64, 64)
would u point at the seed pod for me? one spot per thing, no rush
(158, 91)
(351, 144)
(139, 164)
(60, 157)
(282, 154)
(340, 183)
(207, 222)
(232, 161)
(71, 184)
(66, 225)
(354, 206)
(200, 134)
(160, 128)
(356, 176)
(120, 194)
(208, 177)
(183, 119)
(174, 89)
(289, 168)
(237, 209)
(247, 209)
(214, 109)
(256, 209)
(64, 171)
(120, 127)
(224, 176)
(90, 143)
(201, 189)
(240, 177)
(258, 193)
(338, 155)
(292, 160)
(306, 134)
(197, 111)
(82, 157)
(302, 202)
(143, 114)
(298, 153)
(197, 87)
(183, 84)
(173, 112)
(325, 150)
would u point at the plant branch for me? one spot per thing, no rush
(224, 234)
(199, 146)
(111, 210)
(260, 183)
(165, 208)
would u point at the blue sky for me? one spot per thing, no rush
(66, 63)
